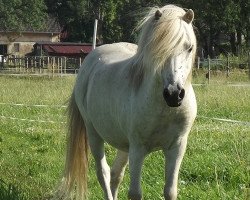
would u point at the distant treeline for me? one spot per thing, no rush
(222, 26)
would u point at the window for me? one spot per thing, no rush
(3, 49)
(16, 47)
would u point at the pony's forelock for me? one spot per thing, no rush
(161, 38)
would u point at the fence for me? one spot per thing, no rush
(64, 122)
(40, 65)
(64, 65)
(226, 64)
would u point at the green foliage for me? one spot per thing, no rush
(19, 14)
(10, 192)
(117, 20)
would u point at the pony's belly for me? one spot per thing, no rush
(112, 135)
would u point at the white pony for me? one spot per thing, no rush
(138, 99)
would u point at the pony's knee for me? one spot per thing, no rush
(134, 196)
(170, 194)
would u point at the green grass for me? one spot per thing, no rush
(216, 164)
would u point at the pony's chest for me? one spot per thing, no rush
(162, 132)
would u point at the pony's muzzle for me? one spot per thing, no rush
(173, 95)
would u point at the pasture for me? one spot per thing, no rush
(215, 166)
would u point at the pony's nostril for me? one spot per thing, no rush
(182, 94)
(166, 93)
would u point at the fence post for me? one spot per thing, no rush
(209, 69)
(249, 65)
(27, 63)
(65, 65)
(14, 61)
(48, 64)
(53, 65)
(2, 62)
(40, 64)
(43, 62)
(35, 62)
(61, 65)
(227, 65)
(198, 62)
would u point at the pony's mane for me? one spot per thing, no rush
(159, 39)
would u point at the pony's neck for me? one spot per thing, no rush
(137, 71)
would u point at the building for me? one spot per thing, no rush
(21, 43)
(67, 49)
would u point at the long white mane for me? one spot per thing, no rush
(160, 39)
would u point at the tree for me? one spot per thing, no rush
(118, 19)
(17, 15)
(72, 15)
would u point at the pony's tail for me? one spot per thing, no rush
(74, 182)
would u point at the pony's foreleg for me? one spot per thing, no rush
(136, 158)
(96, 144)
(117, 171)
(173, 158)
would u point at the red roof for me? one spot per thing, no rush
(61, 49)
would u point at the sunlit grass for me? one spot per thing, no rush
(216, 164)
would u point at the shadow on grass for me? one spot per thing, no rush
(10, 192)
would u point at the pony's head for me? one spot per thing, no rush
(167, 47)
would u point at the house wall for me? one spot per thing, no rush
(21, 44)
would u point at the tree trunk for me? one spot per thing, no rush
(233, 43)
(239, 41)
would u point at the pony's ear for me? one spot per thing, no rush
(158, 14)
(189, 16)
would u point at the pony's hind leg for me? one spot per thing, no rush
(117, 171)
(96, 144)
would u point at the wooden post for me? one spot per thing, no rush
(249, 65)
(15, 61)
(8, 61)
(53, 65)
(65, 65)
(48, 64)
(32, 64)
(2, 61)
(43, 61)
(40, 64)
(198, 62)
(26, 63)
(227, 65)
(209, 69)
(40, 61)
(61, 63)
(19, 63)
(58, 65)
(35, 64)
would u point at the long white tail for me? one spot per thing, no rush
(74, 183)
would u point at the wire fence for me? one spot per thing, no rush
(226, 64)
(63, 106)
(61, 66)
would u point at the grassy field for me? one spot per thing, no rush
(216, 164)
